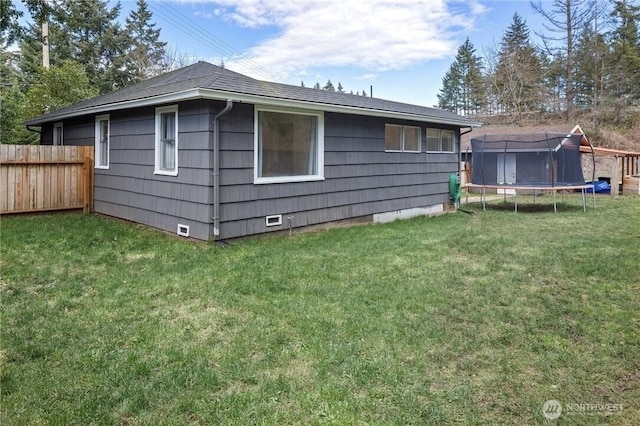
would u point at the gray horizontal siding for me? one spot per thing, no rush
(361, 179)
(129, 189)
(163, 221)
(76, 132)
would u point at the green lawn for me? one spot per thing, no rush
(455, 319)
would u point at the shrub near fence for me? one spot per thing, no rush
(35, 178)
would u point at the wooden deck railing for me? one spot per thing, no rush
(36, 178)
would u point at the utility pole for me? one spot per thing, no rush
(45, 35)
(45, 44)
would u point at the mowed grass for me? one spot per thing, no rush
(454, 319)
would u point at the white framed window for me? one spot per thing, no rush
(288, 146)
(166, 151)
(58, 134)
(402, 138)
(440, 140)
(102, 142)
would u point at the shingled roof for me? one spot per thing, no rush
(206, 81)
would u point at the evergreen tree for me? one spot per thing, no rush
(316, 86)
(9, 28)
(554, 83)
(364, 93)
(301, 83)
(625, 77)
(450, 91)
(85, 32)
(591, 56)
(518, 78)
(145, 51)
(96, 41)
(329, 86)
(463, 89)
(340, 88)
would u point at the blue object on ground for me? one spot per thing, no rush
(600, 186)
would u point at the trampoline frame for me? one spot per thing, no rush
(554, 189)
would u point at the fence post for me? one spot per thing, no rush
(88, 183)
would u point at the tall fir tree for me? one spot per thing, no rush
(146, 52)
(625, 77)
(450, 91)
(463, 89)
(591, 59)
(518, 77)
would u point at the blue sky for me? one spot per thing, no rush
(402, 48)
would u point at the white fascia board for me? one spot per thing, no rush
(250, 99)
(135, 103)
(314, 106)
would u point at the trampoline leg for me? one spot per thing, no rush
(584, 201)
(484, 199)
(555, 209)
(594, 197)
(516, 203)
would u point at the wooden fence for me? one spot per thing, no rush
(37, 178)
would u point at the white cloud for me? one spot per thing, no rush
(374, 35)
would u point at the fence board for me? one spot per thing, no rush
(45, 177)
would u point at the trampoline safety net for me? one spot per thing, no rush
(527, 160)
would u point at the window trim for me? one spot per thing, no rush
(55, 140)
(402, 133)
(440, 150)
(319, 176)
(158, 132)
(98, 134)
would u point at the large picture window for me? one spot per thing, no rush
(439, 140)
(166, 141)
(102, 142)
(289, 146)
(402, 138)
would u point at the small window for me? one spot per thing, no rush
(58, 135)
(288, 146)
(392, 138)
(439, 140)
(167, 141)
(402, 138)
(102, 142)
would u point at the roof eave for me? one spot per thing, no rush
(199, 93)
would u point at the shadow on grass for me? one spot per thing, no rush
(534, 208)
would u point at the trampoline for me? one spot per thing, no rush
(532, 162)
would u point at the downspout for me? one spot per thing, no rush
(460, 146)
(466, 156)
(216, 168)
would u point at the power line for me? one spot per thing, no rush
(197, 32)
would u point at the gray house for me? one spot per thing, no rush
(213, 154)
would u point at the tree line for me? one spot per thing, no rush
(329, 87)
(588, 60)
(90, 53)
